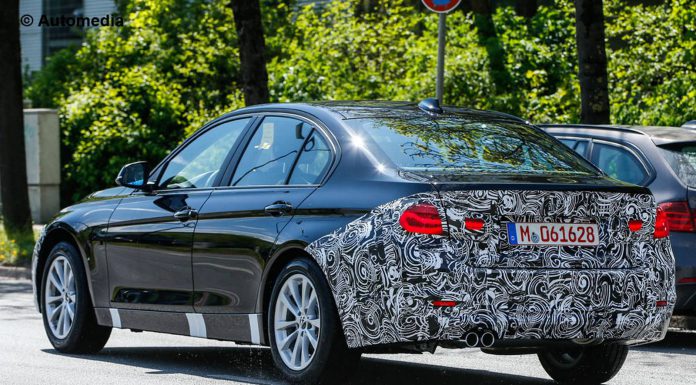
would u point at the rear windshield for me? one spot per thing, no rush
(454, 145)
(682, 159)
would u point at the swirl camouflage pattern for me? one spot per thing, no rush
(384, 279)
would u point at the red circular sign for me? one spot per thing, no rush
(441, 6)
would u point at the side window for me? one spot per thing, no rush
(618, 163)
(568, 142)
(272, 151)
(198, 164)
(314, 161)
(579, 146)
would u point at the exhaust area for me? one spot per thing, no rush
(479, 339)
(471, 339)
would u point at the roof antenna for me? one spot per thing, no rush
(431, 106)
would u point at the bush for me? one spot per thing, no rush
(652, 65)
(15, 251)
(133, 93)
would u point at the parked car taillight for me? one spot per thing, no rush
(679, 216)
(661, 225)
(422, 218)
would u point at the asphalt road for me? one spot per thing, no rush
(26, 357)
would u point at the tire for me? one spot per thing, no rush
(331, 359)
(82, 335)
(590, 365)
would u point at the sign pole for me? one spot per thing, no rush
(441, 41)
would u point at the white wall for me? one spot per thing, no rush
(30, 38)
(98, 8)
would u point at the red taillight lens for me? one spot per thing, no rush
(661, 303)
(421, 218)
(661, 227)
(687, 280)
(679, 216)
(473, 224)
(635, 225)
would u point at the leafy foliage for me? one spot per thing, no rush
(135, 92)
(132, 93)
(652, 64)
(15, 251)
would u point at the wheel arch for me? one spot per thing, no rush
(281, 257)
(53, 235)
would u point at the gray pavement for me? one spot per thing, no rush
(26, 357)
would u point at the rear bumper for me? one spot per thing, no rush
(535, 305)
(521, 306)
(524, 307)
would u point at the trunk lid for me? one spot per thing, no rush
(606, 204)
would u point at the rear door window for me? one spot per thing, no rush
(578, 145)
(271, 152)
(314, 161)
(682, 158)
(619, 163)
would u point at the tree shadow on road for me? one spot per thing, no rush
(255, 365)
(10, 286)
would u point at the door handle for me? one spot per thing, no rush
(185, 214)
(278, 209)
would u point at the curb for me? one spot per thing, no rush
(15, 272)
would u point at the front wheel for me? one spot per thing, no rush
(588, 365)
(306, 339)
(68, 315)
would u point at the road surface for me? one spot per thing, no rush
(26, 357)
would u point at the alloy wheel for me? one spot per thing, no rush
(60, 297)
(297, 322)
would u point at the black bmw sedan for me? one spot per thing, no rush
(327, 230)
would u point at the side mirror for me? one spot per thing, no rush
(134, 175)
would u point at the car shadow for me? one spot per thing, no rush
(674, 343)
(255, 365)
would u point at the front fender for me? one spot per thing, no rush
(51, 235)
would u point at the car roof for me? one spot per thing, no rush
(381, 109)
(660, 135)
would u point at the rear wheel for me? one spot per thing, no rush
(306, 339)
(588, 365)
(68, 314)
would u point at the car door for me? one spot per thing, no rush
(283, 162)
(150, 235)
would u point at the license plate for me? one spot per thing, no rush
(567, 234)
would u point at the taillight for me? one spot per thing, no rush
(687, 280)
(661, 227)
(421, 218)
(679, 216)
